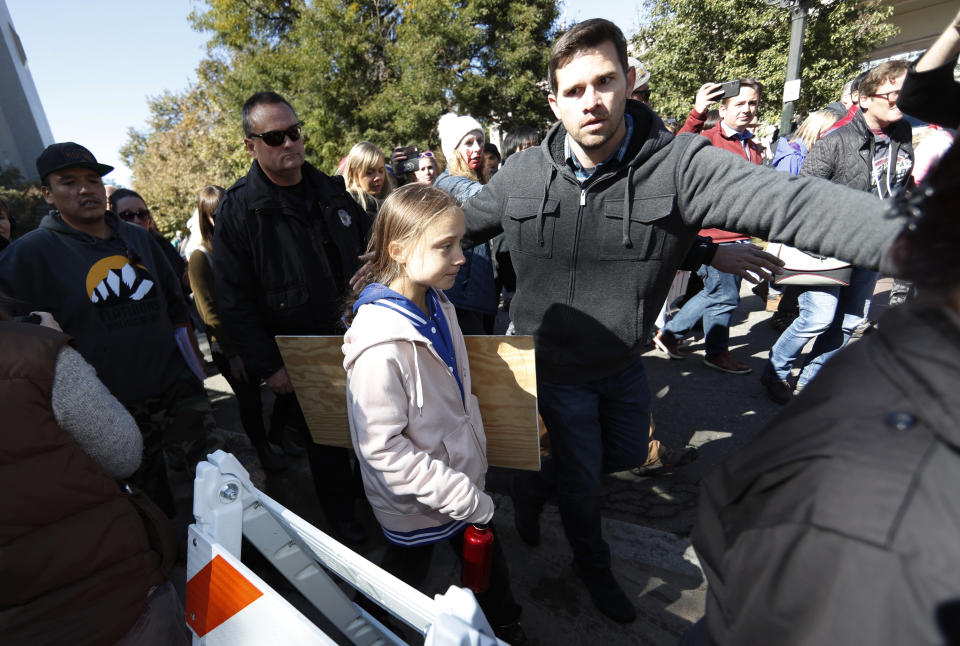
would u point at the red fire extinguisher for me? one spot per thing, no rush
(477, 557)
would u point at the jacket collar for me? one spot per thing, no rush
(266, 196)
(649, 136)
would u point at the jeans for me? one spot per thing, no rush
(715, 304)
(595, 428)
(828, 314)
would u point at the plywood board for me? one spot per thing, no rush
(502, 370)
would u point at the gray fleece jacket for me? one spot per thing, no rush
(594, 261)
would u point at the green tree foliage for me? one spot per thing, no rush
(187, 145)
(377, 70)
(24, 200)
(686, 44)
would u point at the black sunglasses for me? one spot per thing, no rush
(130, 216)
(276, 137)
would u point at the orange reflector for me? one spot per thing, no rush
(215, 594)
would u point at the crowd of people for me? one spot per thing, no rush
(579, 233)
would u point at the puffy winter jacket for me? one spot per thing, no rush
(845, 155)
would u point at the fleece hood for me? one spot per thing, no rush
(53, 221)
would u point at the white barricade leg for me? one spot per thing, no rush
(226, 597)
(229, 605)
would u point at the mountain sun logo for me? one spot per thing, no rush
(114, 280)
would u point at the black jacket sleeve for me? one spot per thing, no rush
(701, 253)
(235, 284)
(932, 95)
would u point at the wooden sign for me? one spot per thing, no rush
(502, 371)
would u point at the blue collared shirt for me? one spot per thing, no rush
(583, 174)
(743, 137)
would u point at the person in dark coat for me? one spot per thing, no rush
(839, 523)
(287, 240)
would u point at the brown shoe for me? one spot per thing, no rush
(667, 344)
(724, 362)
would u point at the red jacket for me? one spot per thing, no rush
(718, 138)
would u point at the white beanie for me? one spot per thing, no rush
(643, 74)
(452, 129)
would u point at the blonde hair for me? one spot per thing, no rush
(362, 157)
(458, 166)
(814, 126)
(404, 216)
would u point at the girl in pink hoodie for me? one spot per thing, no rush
(414, 422)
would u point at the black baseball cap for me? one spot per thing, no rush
(68, 155)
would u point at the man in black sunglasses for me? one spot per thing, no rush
(287, 240)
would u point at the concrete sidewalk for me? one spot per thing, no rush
(647, 520)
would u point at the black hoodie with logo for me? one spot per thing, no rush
(118, 297)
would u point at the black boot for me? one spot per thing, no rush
(607, 595)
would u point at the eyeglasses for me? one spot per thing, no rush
(425, 153)
(276, 138)
(891, 97)
(130, 216)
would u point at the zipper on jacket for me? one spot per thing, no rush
(463, 397)
(576, 245)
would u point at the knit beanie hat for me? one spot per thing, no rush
(643, 74)
(452, 129)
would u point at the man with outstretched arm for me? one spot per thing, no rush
(598, 219)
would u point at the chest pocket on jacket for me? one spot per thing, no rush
(287, 301)
(522, 231)
(645, 237)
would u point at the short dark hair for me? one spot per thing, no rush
(877, 76)
(520, 138)
(492, 149)
(260, 98)
(121, 193)
(584, 35)
(748, 81)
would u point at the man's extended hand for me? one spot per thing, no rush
(279, 382)
(747, 261)
(363, 271)
(708, 93)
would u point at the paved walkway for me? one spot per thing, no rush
(647, 521)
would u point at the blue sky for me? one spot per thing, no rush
(95, 63)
